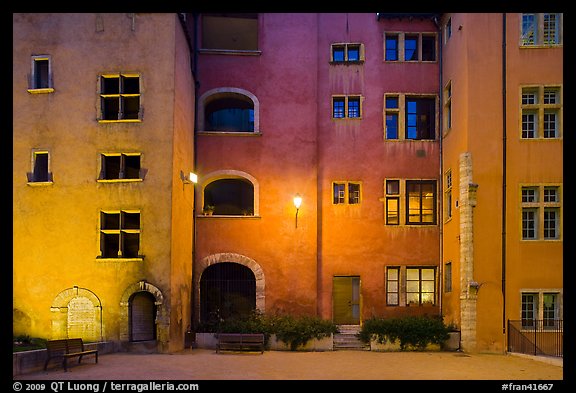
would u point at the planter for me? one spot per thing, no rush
(395, 346)
(323, 344)
(453, 342)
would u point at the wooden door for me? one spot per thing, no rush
(142, 317)
(346, 300)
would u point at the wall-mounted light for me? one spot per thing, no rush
(189, 179)
(297, 204)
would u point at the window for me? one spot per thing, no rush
(421, 201)
(230, 197)
(230, 32)
(393, 286)
(391, 51)
(539, 29)
(120, 234)
(448, 195)
(448, 277)
(541, 309)
(120, 166)
(41, 75)
(231, 113)
(416, 47)
(541, 108)
(392, 202)
(448, 30)
(418, 113)
(541, 209)
(40, 167)
(346, 193)
(392, 111)
(420, 286)
(420, 119)
(346, 107)
(120, 97)
(347, 53)
(448, 106)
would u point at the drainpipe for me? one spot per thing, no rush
(504, 173)
(195, 162)
(441, 175)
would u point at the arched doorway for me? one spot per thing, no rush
(227, 290)
(142, 316)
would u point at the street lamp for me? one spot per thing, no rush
(297, 203)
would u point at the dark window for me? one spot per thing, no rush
(41, 74)
(120, 166)
(421, 201)
(353, 52)
(354, 107)
(353, 193)
(448, 277)
(232, 113)
(230, 31)
(120, 234)
(41, 173)
(428, 48)
(338, 193)
(391, 47)
(120, 97)
(420, 118)
(230, 197)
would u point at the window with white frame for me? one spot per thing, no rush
(540, 29)
(392, 286)
(41, 75)
(120, 234)
(541, 211)
(541, 309)
(541, 112)
(346, 192)
(420, 286)
(410, 46)
(120, 97)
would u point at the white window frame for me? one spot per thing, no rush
(536, 103)
(539, 206)
(538, 30)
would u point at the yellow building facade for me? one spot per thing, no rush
(502, 164)
(102, 149)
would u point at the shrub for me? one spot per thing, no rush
(414, 331)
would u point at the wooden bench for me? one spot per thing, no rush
(65, 349)
(240, 342)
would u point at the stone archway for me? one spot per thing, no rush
(229, 257)
(87, 303)
(162, 317)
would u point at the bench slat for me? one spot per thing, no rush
(66, 349)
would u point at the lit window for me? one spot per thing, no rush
(392, 202)
(420, 286)
(421, 201)
(392, 286)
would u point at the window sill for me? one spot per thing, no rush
(137, 259)
(119, 180)
(356, 62)
(40, 183)
(215, 216)
(410, 140)
(229, 133)
(540, 139)
(240, 52)
(41, 91)
(541, 46)
(120, 121)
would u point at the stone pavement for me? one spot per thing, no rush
(206, 364)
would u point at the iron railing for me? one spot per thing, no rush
(536, 337)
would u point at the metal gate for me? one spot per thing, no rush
(536, 337)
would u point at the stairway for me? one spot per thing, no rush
(346, 339)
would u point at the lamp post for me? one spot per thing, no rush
(297, 203)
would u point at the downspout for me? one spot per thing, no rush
(504, 173)
(441, 175)
(195, 162)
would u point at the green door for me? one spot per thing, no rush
(346, 300)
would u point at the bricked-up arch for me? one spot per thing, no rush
(223, 93)
(235, 258)
(75, 307)
(162, 317)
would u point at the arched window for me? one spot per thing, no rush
(231, 112)
(229, 197)
(228, 109)
(227, 290)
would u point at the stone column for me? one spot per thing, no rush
(468, 288)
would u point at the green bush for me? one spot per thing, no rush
(294, 331)
(26, 343)
(412, 332)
